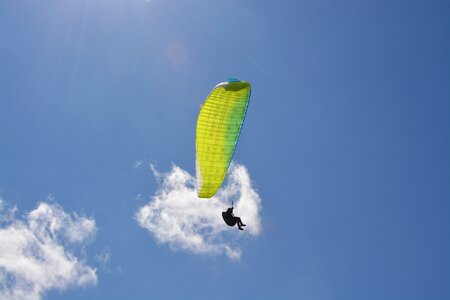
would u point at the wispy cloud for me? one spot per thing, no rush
(104, 256)
(177, 217)
(39, 251)
(137, 164)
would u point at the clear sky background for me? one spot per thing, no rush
(346, 140)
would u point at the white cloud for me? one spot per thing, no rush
(104, 259)
(38, 252)
(176, 216)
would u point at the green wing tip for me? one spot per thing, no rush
(231, 79)
(236, 85)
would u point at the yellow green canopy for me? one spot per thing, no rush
(218, 126)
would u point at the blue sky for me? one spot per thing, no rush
(346, 143)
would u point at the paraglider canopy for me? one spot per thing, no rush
(218, 127)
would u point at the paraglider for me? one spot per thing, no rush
(218, 127)
(231, 220)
